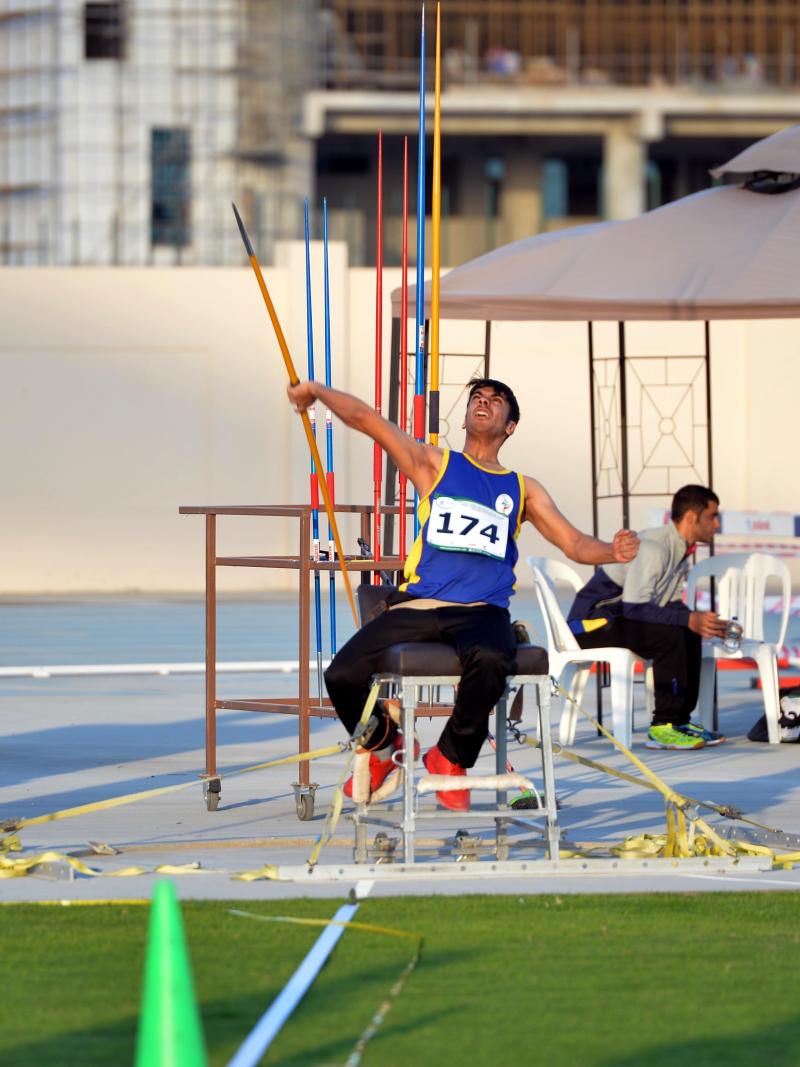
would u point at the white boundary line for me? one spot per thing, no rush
(273, 666)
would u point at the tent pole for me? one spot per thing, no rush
(487, 350)
(707, 353)
(623, 425)
(593, 429)
(708, 403)
(595, 523)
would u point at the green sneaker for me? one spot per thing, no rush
(669, 736)
(710, 737)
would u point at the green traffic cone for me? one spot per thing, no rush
(170, 1030)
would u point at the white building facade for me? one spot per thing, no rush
(127, 128)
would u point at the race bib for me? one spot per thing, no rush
(465, 526)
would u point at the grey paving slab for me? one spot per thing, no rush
(65, 742)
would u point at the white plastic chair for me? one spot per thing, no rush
(569, 663)
(741, 580)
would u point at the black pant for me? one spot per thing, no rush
(484, 642)
(675, 652)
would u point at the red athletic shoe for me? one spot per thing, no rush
(436, 763)
(380, 769)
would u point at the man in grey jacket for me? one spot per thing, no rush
(636, 605)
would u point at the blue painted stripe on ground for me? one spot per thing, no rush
(271, 1022)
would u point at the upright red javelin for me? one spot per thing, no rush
(402, 522)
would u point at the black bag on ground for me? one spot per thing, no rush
(789, 720)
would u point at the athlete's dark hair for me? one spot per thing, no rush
(694, 498)
(501, 389)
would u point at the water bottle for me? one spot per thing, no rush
(733, 636)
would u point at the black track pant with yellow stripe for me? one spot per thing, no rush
(675, 652)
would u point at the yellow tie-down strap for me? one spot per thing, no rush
(18, 868)
(687, 833)
(270, 871)
(335, 810)
(13, 868)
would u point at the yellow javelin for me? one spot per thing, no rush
(293, 380)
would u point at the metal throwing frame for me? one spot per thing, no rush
(408, 688)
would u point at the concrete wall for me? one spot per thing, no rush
(129, 392)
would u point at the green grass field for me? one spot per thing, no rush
(583, 981)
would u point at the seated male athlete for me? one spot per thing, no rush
(459, 575)
(638, 606)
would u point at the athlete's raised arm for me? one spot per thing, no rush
(419, 461)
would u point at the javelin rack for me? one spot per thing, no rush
(304, 706)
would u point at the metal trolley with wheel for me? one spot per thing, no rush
(304, 706)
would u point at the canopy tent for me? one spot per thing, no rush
(723, 253)
(777, 154)
(730, 252)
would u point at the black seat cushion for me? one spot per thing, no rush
(532, 660)
(419, 658)
(430, 658)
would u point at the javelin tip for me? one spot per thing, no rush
(248, 246)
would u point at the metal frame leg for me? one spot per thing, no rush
(360, 851)
(408, 706)
(501, 742)
(548, 773)
(501, 758)
(211, 646)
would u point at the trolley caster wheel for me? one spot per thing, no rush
(304, 801)
(212, 791)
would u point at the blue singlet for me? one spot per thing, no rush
(467, 544)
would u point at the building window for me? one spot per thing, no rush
(170, 197)
(104, 30)
(555, 189)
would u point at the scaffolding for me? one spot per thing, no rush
(740, 45)
(127, 127)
